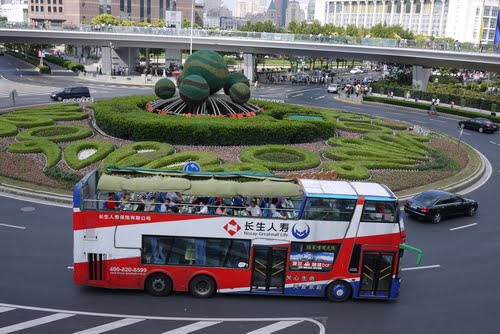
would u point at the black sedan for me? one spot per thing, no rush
(479, 124)
(434, 205)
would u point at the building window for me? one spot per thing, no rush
(54, 9)
(487, 10)
(31, 1)
(41, 1)
(41, 8)
(60, 2)
(494, 12)
(32, 9)
(60, 9)
(49, 9)
(36, 8)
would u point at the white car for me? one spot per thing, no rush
(333, 89)
(356, 71)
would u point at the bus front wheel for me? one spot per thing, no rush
(159, 285)
(202, 286)
(339, 291)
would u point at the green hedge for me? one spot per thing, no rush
(7, 129)
(299, 158)
(68, 180)
(126, 118)
(129, 156)
(44, 69)
(56, 133)
(69, 64)
(236, 167)
(425, 106)
(27, 121)
(178, 159)
(362, 127)
(103, 149)
(48, 148)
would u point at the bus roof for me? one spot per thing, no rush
(346, 188)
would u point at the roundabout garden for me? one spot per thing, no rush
(55, 146)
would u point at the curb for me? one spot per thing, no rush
(30, 194)
(416, 110)
(347, 101)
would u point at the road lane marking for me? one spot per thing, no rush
(70, 267)
(297, 95)
(320, 97)
(192, 327)
(461, 227)
(13, 226)
(6, 309)
(465, 133)
(111, 326)
(422, 267)
(275, 327)
(36, 322)
(321, 327)
(493, 142)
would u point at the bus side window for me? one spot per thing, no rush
(354, 263)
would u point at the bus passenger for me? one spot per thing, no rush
(111, 203)
(167, 205)
(125, 202)
(221, 209)
(150, 204)
(254, 210)
(204, 208)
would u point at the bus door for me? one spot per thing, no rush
(377, 268)
(268, 269)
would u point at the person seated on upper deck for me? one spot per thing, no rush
(204, 208)
(167, 205)
(111, 202)
(221, 209)
(254, 210)
(125, 202)
(150, 204)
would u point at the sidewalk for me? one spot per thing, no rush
(142, 79)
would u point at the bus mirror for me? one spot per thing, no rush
(242, 265)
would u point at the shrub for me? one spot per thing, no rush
(70, 65)
(43, 69)
(348, 171)
(132, 155)
(177, 161)
(103, 149)
(362, 127)
(236, 167)
(48, 148)
(294, 158)
(27, 121)
(7, 129)
(67, 180)
(56, 133)
(126, 118)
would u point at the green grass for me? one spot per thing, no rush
(103, 149)
(307, 159)
(56, 133)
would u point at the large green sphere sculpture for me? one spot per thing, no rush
(194, 90)
(209, 65)
(233, 78)
(165, 88)
(239, 93)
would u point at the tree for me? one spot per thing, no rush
(187, 24)
(106, 19)
(3, 19)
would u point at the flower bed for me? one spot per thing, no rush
(280, 157)
(100, 151)
(56, 133)
(48, 148)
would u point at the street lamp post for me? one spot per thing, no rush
(192, 23)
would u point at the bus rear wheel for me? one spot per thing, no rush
(202, 286)
(159, 285)
(338, 291)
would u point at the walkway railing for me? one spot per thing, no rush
(327, 39)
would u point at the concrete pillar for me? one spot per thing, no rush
(421, 76)
(393, 8)
(173, 56)
(401, 13)
(106, 60)
(350, 12)
(147, 58)
(342, 14)
(365, 22)
(384, 10)
(441, 18)
(412, 7)
(358, 12)
(431, 19)
(249, 66)
(419, 28)
(124, 57)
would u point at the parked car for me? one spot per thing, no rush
(333, 89)
(70, 93)
(435, 205)
(356, 70)
(479, 124)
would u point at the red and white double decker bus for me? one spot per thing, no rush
(241, 232)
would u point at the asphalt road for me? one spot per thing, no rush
(453, 295)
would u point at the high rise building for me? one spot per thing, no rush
(79, 11)
(246, 7)
(459, 19)
(310, 10)
(294, 12)
(211, 4)
(14, 10)
(281, 11)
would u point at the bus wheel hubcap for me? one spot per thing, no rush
(159, 285)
